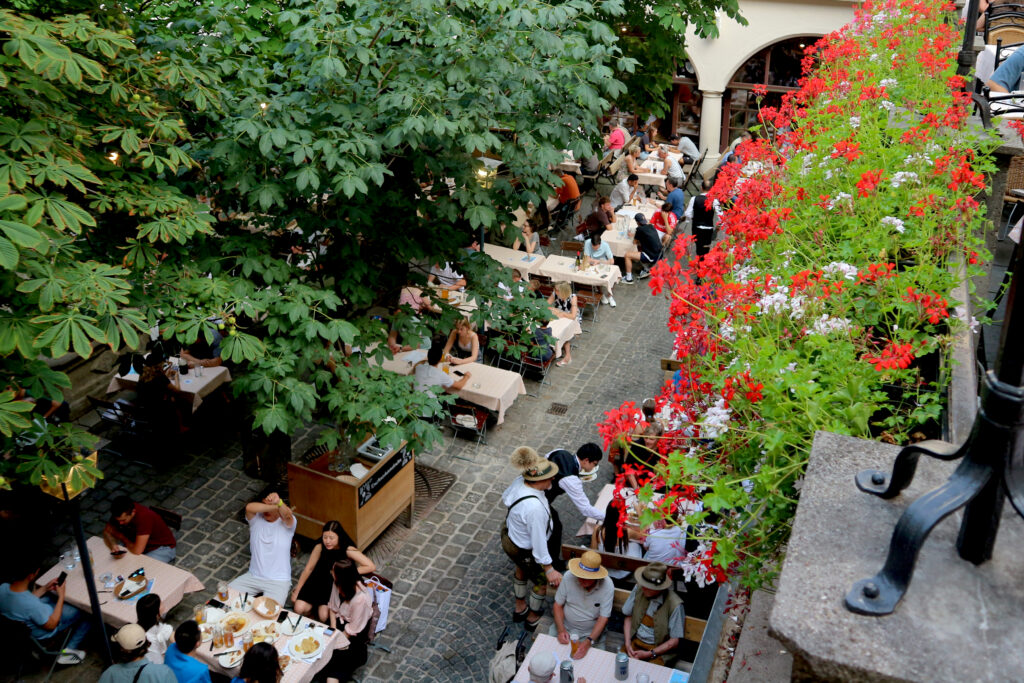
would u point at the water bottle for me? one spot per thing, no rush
(565, 674)
(621, 666)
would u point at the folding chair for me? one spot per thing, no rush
(20, 643)
(534, 363)
(693, 174)
(466, 417)
(589, 295)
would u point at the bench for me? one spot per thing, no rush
(670, 365)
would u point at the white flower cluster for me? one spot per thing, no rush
(849, 272)
(840, 198)
(744, 273)
(855, 122)
(806, 164)
(716, 420)
(776, 302)
(726, 332)
(894, 223)
(789, 368)
(888, 82)
(917, 158)
(826, 325)
(887, 105)
(901, 177)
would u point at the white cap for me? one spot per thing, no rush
(541, 667)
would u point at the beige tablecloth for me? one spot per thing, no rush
(597, 666)
(169, 582)
(404, 363)
(491, 388)
(198, 387)
(603, 498)
(562, 268)
(514, 259)
(454, 298)
(620, 237)
(297, 671)
(564, 329)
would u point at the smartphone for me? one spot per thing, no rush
(281, 617)
(62, 578)
(118, 553)
(460, 373)
(328, 631)
(212, 602)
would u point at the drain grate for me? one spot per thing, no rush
(558, 409)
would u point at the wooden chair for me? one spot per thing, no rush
(1014, 193)
(1004, 21)
(171, 518)
(572, 247)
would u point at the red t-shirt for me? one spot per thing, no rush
(148, 522)
(658, 222)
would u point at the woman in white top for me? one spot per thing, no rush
(159, 634)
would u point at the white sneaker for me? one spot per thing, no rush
(644, 273)
(604, 300)
(68, 657)
(628, 279)
(611, 301)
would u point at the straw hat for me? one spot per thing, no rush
(587, 566)
(653, 576)
(533, 467)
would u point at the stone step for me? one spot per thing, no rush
(760, 658)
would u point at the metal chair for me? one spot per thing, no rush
(466, 417)
(20, 643)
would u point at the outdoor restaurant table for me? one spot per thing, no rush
(597, 666)
(563, 268)
(457, 299)
(298, 671)
(520, 214)
(564, 329)
(198, 387)
(620, 238)
(170, 583)
(514, 259)
(603, 498)
(491, 388)
(404, 362)
(569, 164)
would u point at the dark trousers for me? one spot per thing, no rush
(703, 237)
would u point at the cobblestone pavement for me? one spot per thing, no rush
(452, 581)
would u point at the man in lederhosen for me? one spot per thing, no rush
(702, 211)
(528, 528)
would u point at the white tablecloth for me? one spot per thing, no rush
(491, 388)
(597, 666)
(564, 329)
(297, 671)
(169, 582)
(560, 268)
(620, 237)
(198, 387)
(517, 260)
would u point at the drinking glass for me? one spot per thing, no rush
(574, 644)
(218, 637)
(222, 591)
(200, 614)
(68, 557)
(108, 579)
(246, 641)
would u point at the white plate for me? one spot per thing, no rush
(231, 659)
(238, 615)
(214, 615)
(293, 644)
(265, 629)
(292, 624)
(205, 633)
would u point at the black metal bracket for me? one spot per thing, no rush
(982, 472)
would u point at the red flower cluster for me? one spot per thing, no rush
(933, 306)
(893, 356)
(868, 182)
(847, 150)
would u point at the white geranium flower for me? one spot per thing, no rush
(894, 223)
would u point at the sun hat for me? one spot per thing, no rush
(130, 637)
(587, 566)
(653, 576)
(541, 666)
(533, 467)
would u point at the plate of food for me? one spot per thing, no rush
(283, 661)
(213, 615)
(238, 605)
(292, 625)
(306, 645)
(237, 622)
(265, 631)
(266, 607)
(229, 660)
(205, 632)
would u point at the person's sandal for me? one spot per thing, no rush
(520, 617)
(563, 363)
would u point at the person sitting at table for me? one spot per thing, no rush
(429, 376)
(350, 608)
(158, 633)
(542, 338)
(131, 664)
(664, 221)
(665, 542)
(271, 527)
(313, 589)
(602, 217)
(139, 530)
(596, 250)
(583, 603)
(50, 410)
(446, 277)
(647, 250)
(568, 191)
(626, 191)
(157, 400)
(201, 352)
(673, 194)
(610, 538)
(614, 138)
(463, 345)
(670, 167)
(563, 304)
(655, 617)
(261, 664)
(1007, 77)
(633, 162)
(643, 454)
(46, 616)
(542, 668)
(529, 240)
(685, 145)
(416, 299)
(179, 659)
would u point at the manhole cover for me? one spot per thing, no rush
(557, 409)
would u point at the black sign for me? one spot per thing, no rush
(383, 475)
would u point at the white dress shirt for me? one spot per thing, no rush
(529, 522)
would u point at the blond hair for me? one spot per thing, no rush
(563, 290)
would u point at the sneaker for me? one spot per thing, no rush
(628, 279)
(604, 300)
(611, 301)
(644, 273)
(68, 657)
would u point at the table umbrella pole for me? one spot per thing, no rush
(90, 582)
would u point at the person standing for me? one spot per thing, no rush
(571, 467)
(45, 615)
(703, 212)
(527, 532)
(138, 529)
(271, 527)
(583, 603)
(132, 665)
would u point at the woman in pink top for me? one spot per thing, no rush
(350, 607)
(614, 138)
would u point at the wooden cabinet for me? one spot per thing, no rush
(365, 507)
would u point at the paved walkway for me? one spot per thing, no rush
(452, 580)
